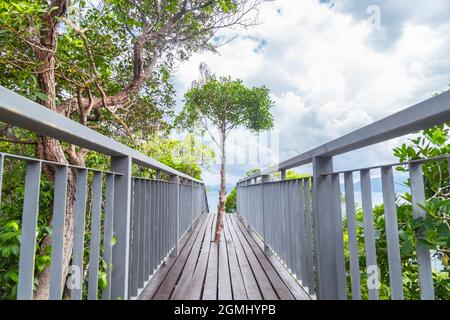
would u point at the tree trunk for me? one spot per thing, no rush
(222, 192)
(49, 148)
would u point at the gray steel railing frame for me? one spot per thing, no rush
(26, 114)
(329, 280)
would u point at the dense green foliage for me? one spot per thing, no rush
(230, 202)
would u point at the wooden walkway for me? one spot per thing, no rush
(236, 268)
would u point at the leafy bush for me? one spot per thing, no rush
(230, 203)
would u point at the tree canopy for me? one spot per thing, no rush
(226, 104)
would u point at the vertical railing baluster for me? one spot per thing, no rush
(142, 233)
(302, 256)
(161, 225)
(292, 249)
(287, 235)
(121, 227)
(278, 221)
(172, 211)
(59, 210)
(284, 235)
(265, 211)
(390, 213)
(164, 194)
(324, 229)
(78, 237)
(155, 241)
(341, 273)
(176, 180)
(134, 271)
(158, 219)
(423, 253)
(94, 246)
(28, 236)
(273, 216)
(369, 236)
(192, 204)
(166, 218)
(108, 232)
(148, 268)
(309, 236)
(352, 240)
(163, 221)
(153, 222)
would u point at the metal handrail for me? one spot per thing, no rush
(147, 217)
(426, 114)
(24, 113)
(301, 220)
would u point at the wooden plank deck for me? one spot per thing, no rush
(236, 268)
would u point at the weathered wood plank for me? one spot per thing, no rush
(159, 276)
(251, 286)
(193, 291)
(264, 284)
(188, 270)
(294, 287)
(164, 292)
(237, 281)
(224, 291)
(210, 286)
(278, 284)
(236, 268)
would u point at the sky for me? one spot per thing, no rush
(332, 67)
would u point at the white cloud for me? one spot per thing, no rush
(326, 76)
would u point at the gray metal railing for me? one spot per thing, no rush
(301, 221)
(134, 222)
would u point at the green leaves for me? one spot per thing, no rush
(230, 202)
(41, 95)
(227, 104)
(437, 136)
(42, 261)
(443, 230)
(407, 248)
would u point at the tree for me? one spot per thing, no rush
(225, 104)
(100, 63)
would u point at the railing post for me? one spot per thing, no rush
(248, 214)
(176, 250)
(192, 206)
(283, 175)
(324, 229)
(265, 179)
(121, 227)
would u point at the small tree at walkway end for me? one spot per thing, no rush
(224, 104)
